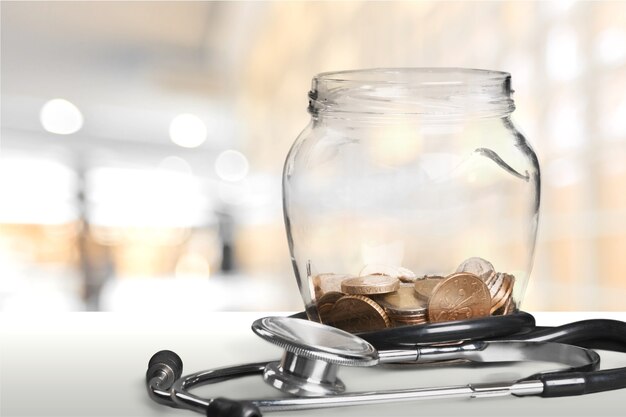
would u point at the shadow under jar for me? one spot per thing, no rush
(410, 197)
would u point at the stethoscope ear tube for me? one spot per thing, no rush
(593, 334)
(590, 334)
(566, 384)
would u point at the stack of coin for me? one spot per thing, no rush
(403, 306)
(501, 289)
(352, 309)
(500, 284)
(507, 308)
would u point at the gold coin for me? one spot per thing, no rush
(330, 297)
(326, 302)
(323, 310)
(460, 296)
(370, 284)
(425, 286)
(357, 313)
(402, 302)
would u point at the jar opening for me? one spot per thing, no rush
(439, 92)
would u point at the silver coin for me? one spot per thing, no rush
(477, 266)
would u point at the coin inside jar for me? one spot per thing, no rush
(402, 302)
(460, 296)
(504, 293)
(357, 313)
(323, 310)
(477, 266)
(370, 284)
(330, 297)
(425, 286)
(504, 309)
(328, 282)
(326, 303)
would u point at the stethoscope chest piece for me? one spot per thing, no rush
(312, 357)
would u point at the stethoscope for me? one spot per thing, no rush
(313, 354)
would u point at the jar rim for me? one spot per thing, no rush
(439, 92)
(409, 75)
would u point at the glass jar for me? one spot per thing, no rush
(410, 197)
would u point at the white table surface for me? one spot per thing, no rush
(93, 364)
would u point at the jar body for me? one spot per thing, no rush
(413, 197)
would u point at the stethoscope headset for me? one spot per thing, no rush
(313, 354)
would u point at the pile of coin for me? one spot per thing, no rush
(385, 296)
(404, 306)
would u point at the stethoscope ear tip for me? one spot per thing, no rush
(223, 407)
(165, 361)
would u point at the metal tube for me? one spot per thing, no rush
(391, 356)
(575, 357)
(180, 390)
(362, 398)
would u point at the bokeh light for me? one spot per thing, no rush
(61, 117)
(231, 165)
(188, 131)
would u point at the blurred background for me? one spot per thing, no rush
(142, 143)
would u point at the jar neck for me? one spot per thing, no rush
(437, 94)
